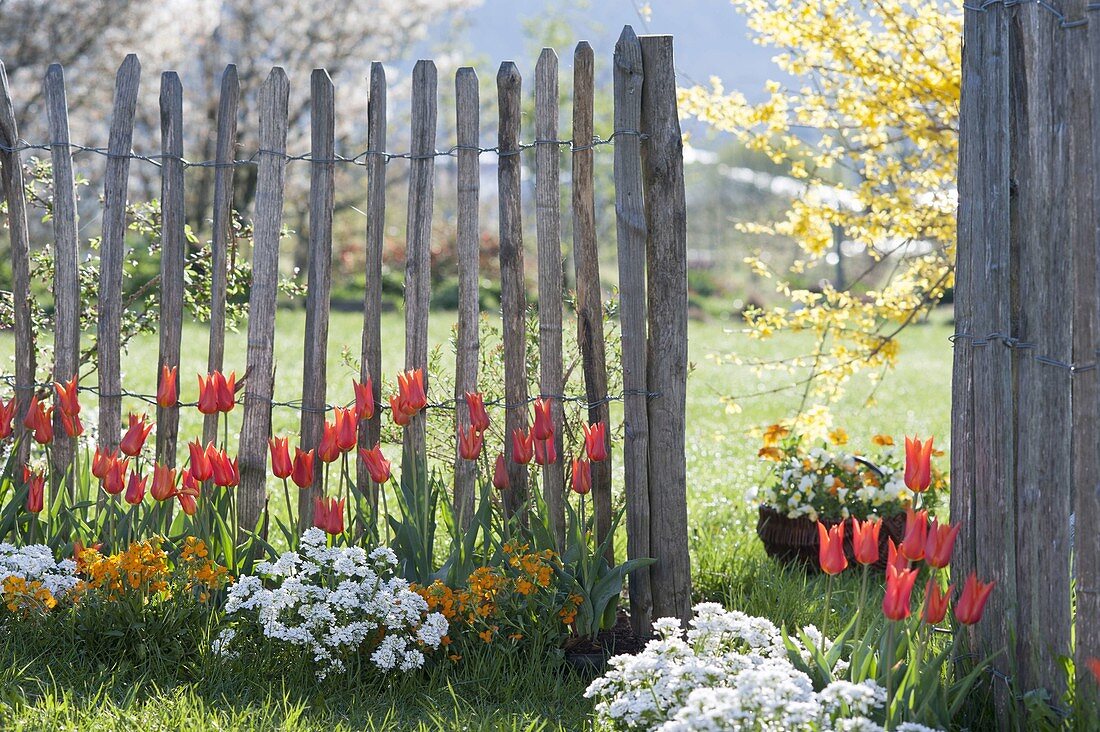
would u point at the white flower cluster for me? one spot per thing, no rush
(333, 602)
(729, 671)
(36, 563)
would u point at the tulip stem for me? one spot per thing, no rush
(825, 619)
(289, 511)
(891, 652)
(862, 600)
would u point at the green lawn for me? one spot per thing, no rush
(729, 563)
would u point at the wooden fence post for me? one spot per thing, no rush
(172, 241)
(467, 110)
(630, 229)
(548, 235)
(111, 252)
(322, 188)
(666, 359)
(11, 168)
(260, 376)
(513, 297)
(66, 281)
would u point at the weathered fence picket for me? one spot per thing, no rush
(548, 235)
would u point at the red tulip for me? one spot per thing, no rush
(523, 446)
(475, 404)
(916, 534)
(401, 418)
(101, 462)
(595, 441)
(582, 476)
(347, 428)
(543, 428)
(500, 473)
(226, 389)
(30, 419)
(971, 604)
(168, 394)
(36, 487)
(918, 464)
(940, 544)
(135, 436)
(469, 443)
(164, 483)
(546, 451)
(302, 473)
(899, 588)
(115, 480)
(328, 449)
(865, 536)
(227, 474)
(40, 420)
(935, 602)
(72, 424)
(281, 465)
(364, 398)
(411, 391)
(135, 489)
(200, 462)
(830, 551)
(188, 493)
(208, 394)
(7, 416)
(377, 464)
(67, 397)
(895, 558)
(328, 515)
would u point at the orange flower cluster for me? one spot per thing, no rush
(204, 575)
(23, 597)
(143, 569)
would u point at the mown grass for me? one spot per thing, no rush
(729, 564)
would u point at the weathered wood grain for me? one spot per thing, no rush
(666, 358)
(418, 232)
(513, 295)
(467, 109)
(630, 228)
(268, 220)
(173, 240)
(112, 250)
(322, 191)
(548, 238)
(586, 260)
(11, 176)
(66, 282)
(370, 365)
(225, 152)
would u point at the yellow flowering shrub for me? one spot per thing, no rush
(23, 597)
(143, 570)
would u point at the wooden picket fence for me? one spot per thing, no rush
(651, 232)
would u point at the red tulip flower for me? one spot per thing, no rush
(281, 465)
(364, 399)
(546, 451)
(411, 391)
(168, 393)
(830, 552)
(72, 425)
(302, 473)
(899, 589)
(40, 420)
(164, 483)
(328, 515)
(475, 404)
(101, 462)
(523, 446)
(401, 418)
(7, 416)
(34, 409)
(208, 394)
(935, 602)
(971, 604)
(543, 428)
(188, 493)
(500, 473)
(135, 436)
(347, 428)
(328, 449)
(916, 535)
(67, 397)
(582, 476)
(200, 461)
(226, 389)
(895, 558)
(918, 464)
(377, 464)
(135, 489)
(595, 441)
(36, 489)
(227, 472)
(865, 536)
(469, 443)
(940, 544)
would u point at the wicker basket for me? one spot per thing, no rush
(795, 541)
